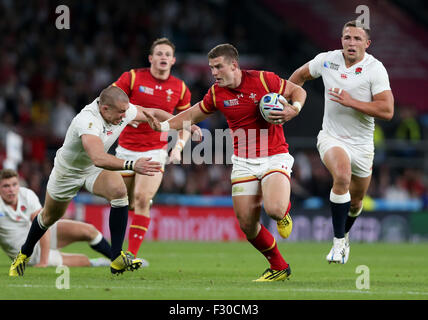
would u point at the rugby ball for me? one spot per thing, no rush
(270, 102)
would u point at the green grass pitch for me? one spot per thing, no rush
(225, 270)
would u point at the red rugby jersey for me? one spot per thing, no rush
(145, 90)
(252, 135)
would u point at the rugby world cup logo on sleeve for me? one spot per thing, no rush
(146, 90)
(230, 103)
(331, 65)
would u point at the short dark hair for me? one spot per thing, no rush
(224, 50)
(161, 41)
(7, 174)
(111, 95)
(357, 24)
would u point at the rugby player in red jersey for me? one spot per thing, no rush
(261, 162)
(152, 87)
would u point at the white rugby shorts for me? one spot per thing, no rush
(361, 156)
(159, 155)
(248, 173)
(63, 184)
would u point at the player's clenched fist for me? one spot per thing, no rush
(147, 167)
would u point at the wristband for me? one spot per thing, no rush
(164, 126)
(298, 105)
(128, 165)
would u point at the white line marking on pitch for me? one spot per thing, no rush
(213, 289)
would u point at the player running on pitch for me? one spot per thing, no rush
(83, 161)
(356, 91)
(261, 165)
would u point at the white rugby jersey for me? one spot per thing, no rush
(14, 225)
(72, 155)
(362, 81)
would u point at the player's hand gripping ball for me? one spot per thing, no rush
(270, 102)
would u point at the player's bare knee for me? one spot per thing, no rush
(275, 210)
(142, 200)
(342, 182)
(118, 193)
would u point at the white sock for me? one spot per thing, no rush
(96, 240)
(339, 198)
(99, 262)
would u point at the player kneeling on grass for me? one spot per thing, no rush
(19, 206)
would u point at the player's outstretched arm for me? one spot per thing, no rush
(180, 121)
(140, 117)
(94, 147)
(157, 113)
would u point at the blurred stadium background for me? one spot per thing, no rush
(48, 75)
